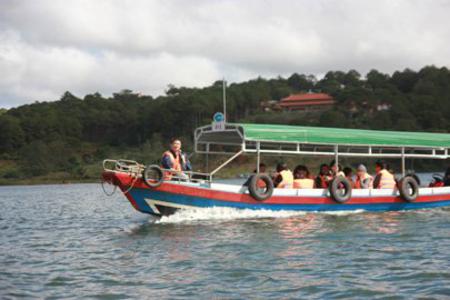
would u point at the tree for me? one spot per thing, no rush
(67, 96)
(300, 82)
(333, 118)
(36, 159)
(405, 80)
(11, 133)
(54, 136)
(376, 79)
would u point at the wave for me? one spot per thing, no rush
(227, 213)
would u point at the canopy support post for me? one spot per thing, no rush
(336, 156)
(224, 164)
(258, 157)
(207, 158)
(224, 87)
(403, 162)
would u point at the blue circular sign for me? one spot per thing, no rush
(218, 117)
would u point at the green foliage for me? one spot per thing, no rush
(11, 134)
(35, 159)
(333, 118)
(73, 134)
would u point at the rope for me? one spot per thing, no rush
(125, 166)
(104, 190)
(132, 184)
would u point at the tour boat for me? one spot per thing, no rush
(149, 191)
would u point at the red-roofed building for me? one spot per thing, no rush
(308, 101)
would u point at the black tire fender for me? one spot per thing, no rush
(408, 188)
(153, 176)
(258, 193)
(336, 186)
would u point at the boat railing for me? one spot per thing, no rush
(123, 165)
(136, 169)
(189, 176)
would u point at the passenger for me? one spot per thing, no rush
(348, 172)
(336, 169)
(384, 179)
(438, 181)
(284, 177)
(391, 170)
(174, 159)
(363, 179)
(321, 181)
(262, 170)
(302, 179)
(447, 177)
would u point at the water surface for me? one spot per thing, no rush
(71, 241)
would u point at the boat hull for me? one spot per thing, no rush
(171, 196)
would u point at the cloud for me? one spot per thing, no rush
(47, 47)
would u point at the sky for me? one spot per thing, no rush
(86, 46)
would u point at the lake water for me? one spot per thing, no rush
(71, 241)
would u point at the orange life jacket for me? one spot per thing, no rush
(387, 180)
(359, 181)
(287, 179)
(323, 181)
(305, 183)
(176, 164)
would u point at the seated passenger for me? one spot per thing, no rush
(384, 179)
(321, 181)
(302, 179)
(174, 159)
(262, 170)
(447, 177)
(348, 172)
(363, 179)
(438, 181)
(336, 169)
(284, 177)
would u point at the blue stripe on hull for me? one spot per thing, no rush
(140, 194)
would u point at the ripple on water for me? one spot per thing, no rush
(71, 241)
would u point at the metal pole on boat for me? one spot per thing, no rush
(224, 85)
(226, 163)
(258, 158)
(403, 163)
(336, 156)
(207, 158)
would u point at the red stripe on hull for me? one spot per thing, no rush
(180, 189)
(235, 197)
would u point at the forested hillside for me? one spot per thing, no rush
(69, 137)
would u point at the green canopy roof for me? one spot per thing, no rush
(332, 136)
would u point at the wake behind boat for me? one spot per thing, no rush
(150, 191)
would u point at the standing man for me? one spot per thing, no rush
(175, 160)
